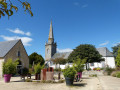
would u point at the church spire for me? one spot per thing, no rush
(50, 46)
(51, 37)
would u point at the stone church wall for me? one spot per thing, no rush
(13, 54)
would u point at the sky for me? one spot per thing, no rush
(75, 22)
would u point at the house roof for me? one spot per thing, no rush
(6, 46)
(105, 52)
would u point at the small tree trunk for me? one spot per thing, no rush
(88, 66)
(59, 76)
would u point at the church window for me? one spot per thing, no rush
(18, 54)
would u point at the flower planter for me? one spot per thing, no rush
(79, 74)
(69, 81)
(7, 77)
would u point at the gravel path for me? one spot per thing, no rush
(86, 83)
(109, 82)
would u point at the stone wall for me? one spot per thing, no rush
(13, 54)
(1, 64)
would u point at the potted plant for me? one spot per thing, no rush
(69, 74)
(79, 66)
(37, 69)
(9, 68)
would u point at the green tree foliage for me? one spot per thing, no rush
(60, 61)
(87, 52)
(118, 58)
(7, 7)
(36, 58)
(115, 50)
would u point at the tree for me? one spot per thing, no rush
(59, 61)
(7, 7)
(87, 52)
(36, 58)
(118, 58)
(115, 50)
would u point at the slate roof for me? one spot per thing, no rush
(105, 52)
(61, 55)
(6, 46)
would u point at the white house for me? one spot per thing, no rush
(107, 55)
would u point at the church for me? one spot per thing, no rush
(51, 53)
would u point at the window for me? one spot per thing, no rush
(18, 53)
(48, 50)
(91, 64)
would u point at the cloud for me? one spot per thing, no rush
(18, 31)
(85, 5)
(116, 44)
(76, 3)
(26, 40)
(82, 6)
(64, 50)
(105, 43)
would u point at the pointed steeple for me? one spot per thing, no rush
(51, 31)
(51, 37)
(50, 46)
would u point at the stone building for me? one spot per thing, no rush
(13, 50)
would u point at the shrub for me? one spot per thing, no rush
(118, 74)
(113, 74)
(102, 68)
(98, 69)
(94, 69)
(69, 72)
(30, 66)
(117, 68)
(109, 70)
(89, 69)
(9, 67)
(30, 71)
(57, 69)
